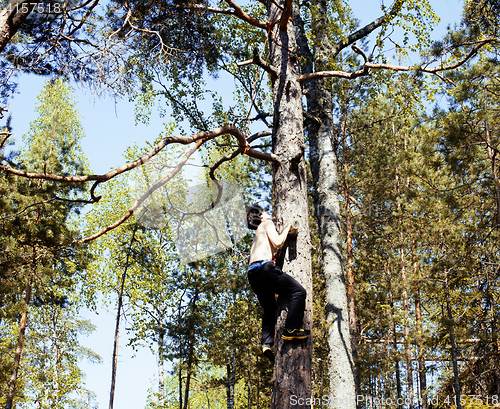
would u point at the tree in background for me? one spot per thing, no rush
(38, 217)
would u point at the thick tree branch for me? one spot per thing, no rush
(205, 136)
(199, 139)
(337, 74)
(238, 12)
(418, 68)
(363, 32)
(286, 15)
(226, 158)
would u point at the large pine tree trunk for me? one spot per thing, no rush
(323, 157)
(292, 369)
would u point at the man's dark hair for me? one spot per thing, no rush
(253, 216)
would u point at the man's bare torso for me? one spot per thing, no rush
(262, 248)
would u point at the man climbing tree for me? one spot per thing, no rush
(267, 279)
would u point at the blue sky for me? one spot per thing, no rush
(110, 128)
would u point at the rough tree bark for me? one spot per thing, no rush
(12, 17)
(323, 157)
(292, 369)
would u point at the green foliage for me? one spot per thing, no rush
(36, 229)
(50, 372)
(425, 187)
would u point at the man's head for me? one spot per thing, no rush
(253, 216)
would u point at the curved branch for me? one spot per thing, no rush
(141, 200)
(6, 136)
(227, 129)
(205, 135)
(363, 32)
(233, 155)
(238, 12)
(367, 65)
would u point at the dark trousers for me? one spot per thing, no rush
(268, 281)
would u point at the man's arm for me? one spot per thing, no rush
(276, 239)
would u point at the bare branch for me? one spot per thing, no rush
(205, 136)
(257, 60)
(363, 32)
(330, 74)
(359, 51)
(286, 15)
(238, 12)
(367, 65)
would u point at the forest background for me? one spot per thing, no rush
(98, 128)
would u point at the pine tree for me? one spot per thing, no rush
(38, 214)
